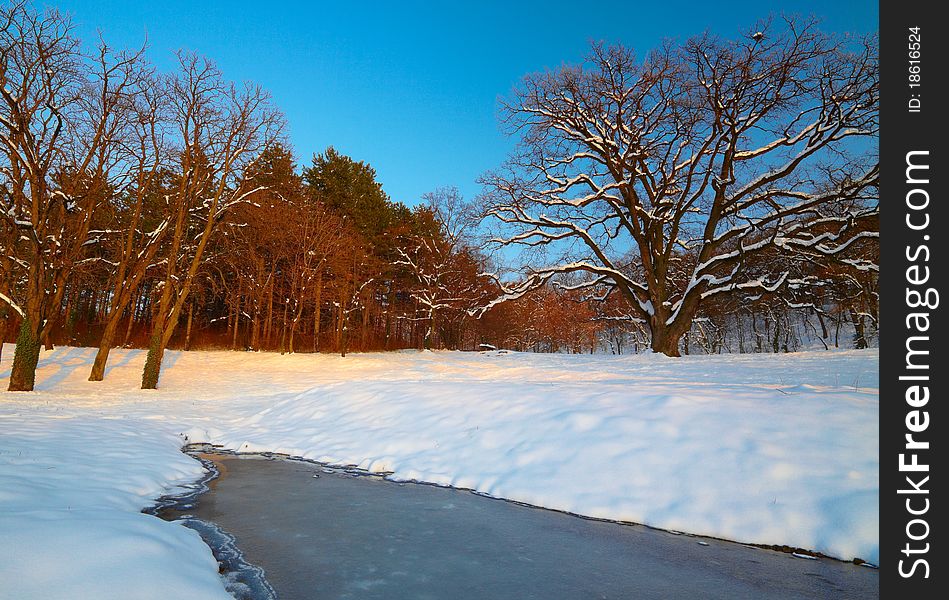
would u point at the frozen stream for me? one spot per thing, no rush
(319, 533)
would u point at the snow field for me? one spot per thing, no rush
(755, 448)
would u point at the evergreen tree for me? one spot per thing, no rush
(350, 188)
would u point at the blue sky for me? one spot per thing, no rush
(412, 87)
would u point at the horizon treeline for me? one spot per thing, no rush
(151, 209)
(167, 210)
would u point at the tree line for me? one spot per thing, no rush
(145, 208)
(715, 196)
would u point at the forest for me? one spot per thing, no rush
(714, 196)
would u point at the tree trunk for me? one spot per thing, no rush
(164, 329)
(122, 300)
(268, 325)
(231, 319)
(859, 330)
(188, 327)
(837, 322)
(4, 323)
(754, 329)
(255, 332)
(237, 322)
(665, 341)
(69, 328)
(430, 334)
(47, 341)
(823, 326)
(365, 329)
(105, 347)
(293, 328)
(295, 322)
(317, 312)
(316, 329)
(283, 329)
(128, 327)
(741, 334)
(339, 323)
(156, 352)
(25, 358)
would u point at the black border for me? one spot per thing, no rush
(903, 131)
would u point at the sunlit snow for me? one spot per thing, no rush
(772, 449)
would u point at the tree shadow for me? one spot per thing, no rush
(125, 360)
(54, 367)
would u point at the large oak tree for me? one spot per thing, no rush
(663, 178)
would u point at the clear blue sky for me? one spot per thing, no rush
(412, 87)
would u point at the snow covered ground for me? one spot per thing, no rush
(765, 449)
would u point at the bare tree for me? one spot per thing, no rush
(222, 129)
(142, 216)
(435, 255)
(317, 236)
(663, 178)
(59, 114)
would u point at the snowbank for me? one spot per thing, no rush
(765, 449)
(71, 488)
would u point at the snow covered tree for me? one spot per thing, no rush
(663, 178)
(435, 252)
(62, 112)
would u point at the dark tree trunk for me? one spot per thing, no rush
(237, 322)
(156, 352)
(129, 326)
(837, 321)
(741, 334)
(25, 358)
(859, 330)
(339, 324)
(46, 337)
(268, 325)
(316, 312)
(292, 334)
(188, 327)
(823, 326)
(364, 334)
(255, 332)
(283, 329)
(665, 342)
(430, 333)
(754, 329)
(4, 325)
(70, 323)
(105, 347)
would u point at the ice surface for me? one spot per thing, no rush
(361, 537)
